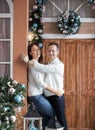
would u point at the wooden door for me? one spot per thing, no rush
(79, 59)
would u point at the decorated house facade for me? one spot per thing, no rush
(71, 23)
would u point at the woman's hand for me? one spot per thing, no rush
(24, 58)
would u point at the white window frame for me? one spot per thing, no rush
(10, 16)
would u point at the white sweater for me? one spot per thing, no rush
(36, 83)
(54, 74)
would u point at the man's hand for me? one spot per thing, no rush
(55, 91)
(24, 58)
(59, 92)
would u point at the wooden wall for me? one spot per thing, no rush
(78, 57)
(85, 28)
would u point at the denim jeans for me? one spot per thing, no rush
(58, 104)
(44, 108)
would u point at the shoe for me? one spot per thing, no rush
(57, 126)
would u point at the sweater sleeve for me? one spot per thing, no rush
(50, 68)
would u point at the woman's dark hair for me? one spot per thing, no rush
(30, 56)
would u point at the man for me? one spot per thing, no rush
(54, 77)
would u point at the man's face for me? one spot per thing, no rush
(52, 52)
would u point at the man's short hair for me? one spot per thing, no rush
(54, 43)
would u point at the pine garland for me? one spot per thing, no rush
(36, 22)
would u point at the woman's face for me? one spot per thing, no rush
(35, 52)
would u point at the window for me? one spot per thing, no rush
(55, 7)
(6, 38)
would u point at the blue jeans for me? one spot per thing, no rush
(44, 108)
(58, 104)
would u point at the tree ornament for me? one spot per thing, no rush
(9, 84)
(23, 86)
(13, 118)
(69, 22)
(14, 82)
(35, 25)
(31, 36)
(30, 19)
(7, 118)
(40, 1)
(35, 7)
(40, 31)
(36, 16)
(7, 123)
(17, 98)
(40, 45)
(11, 91)
(6, 109)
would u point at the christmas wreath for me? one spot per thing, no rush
(69, 22)
(90, 2)
(12, 94)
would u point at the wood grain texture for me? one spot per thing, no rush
(78, 57)
(85, 28)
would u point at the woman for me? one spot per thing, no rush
(36, 87)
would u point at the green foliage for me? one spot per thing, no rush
(90, 2)
(36, 23)
(6, 114)
(12, 94)
(69, 22)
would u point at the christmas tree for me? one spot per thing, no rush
(12, 95)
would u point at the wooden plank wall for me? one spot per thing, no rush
(85, 28)
(78, 57)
